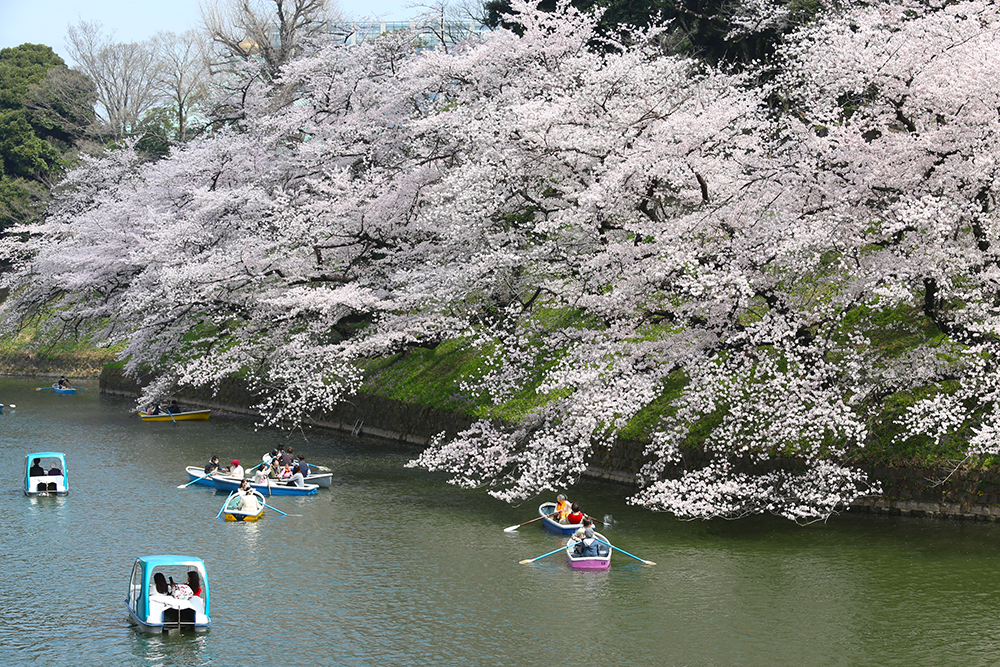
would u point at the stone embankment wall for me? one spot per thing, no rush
(930, 493)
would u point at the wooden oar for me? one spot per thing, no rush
(196, 480)
(224, 504)
(532, 560)
(607, 544)
(40, 388)
(511, 529)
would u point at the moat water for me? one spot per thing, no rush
(392, 566)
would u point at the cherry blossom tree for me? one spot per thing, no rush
(615, 230)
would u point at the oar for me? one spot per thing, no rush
(647, 562)
(511, 529)
(532, 560)
(224, 504)
(40, 388)
(196, 480)
(275, 509)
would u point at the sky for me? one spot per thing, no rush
(45, 21)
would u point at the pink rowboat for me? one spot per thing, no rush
(601, 561)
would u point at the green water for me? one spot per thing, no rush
(391, 566)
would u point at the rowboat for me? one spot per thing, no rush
(601, 560)
(551, 524)
(320, 479)
(39, 479)
(193, 415)
(271, 488)
(154, 608)
(63, 390)
(232, 511)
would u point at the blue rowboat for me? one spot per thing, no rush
(550, 524)
(43, 480)
(163, 609)
(63, 390)
(274, 488)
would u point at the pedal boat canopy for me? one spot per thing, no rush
(155, 612)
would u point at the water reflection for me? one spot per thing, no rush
(173, 648)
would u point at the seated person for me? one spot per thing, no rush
(154, 410)
(160, 582)
(575, 515)
(581, 531)
(54, 470)
(174, 408)
(296, 479)
(588, 545)
(248, 502)
(562, 508)
(36, 469)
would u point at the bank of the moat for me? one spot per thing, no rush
(967, 494)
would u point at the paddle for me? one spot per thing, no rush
(196, 480)
(275, 509)
(647, 562)
(511, 529)
(224, 504)
(40, 388)
(532, 560)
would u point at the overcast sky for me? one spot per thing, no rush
(45, 21)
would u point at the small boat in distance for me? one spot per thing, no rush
(63, 390)
(551, 524)
(157, 606)
(233, 512)
(601, 560)
(45, 474)
(193, 415)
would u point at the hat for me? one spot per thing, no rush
(588, 532)
(236, 462)
(274, 452)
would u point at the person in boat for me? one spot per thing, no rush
(260, 475)
(248, 499)
(36, 469)
(194, 583)
(288, 457)
(562, 508)
(297, 478)
(160, 583)
(64, 383)
(303, 466)
(154, 410)
(274, 470)
(581, 531)
(588, 546)
(55, 470)
(174, 408)
(236, 470)
(575, 515)
(213, 466)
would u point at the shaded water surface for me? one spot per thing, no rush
(391, 566)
